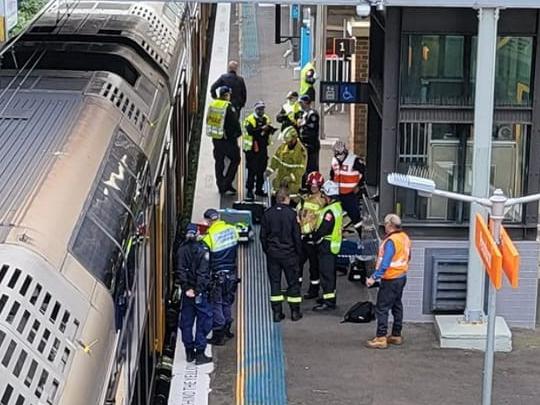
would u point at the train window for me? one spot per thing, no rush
(45, 303)
(3, 301)
(53, 392)
(14, 278)
(7, 395)
(20, 363)
(13, 312)
(20, 400)
(54, 350)
(9, 353)
(26, 284)
(33, 332)
(31, 373)
(23, 322)
(41, 383)
(44, 339)
(64, 322)
(65, 358)
(35, 294)
(3, 271)
(54, 313)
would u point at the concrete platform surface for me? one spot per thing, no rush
(453, 333)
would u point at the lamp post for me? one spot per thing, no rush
(496, 205)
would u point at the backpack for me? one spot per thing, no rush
(361, 312)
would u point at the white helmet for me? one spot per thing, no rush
(330, 188)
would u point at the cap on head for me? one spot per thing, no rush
(292, 94)
(339, 148)
(259, 104)
(221, 91)
(305, 98)
(289, 134)
(233, 66)
(330, 188)
(191, 230)
(392, 219)
(211, 214)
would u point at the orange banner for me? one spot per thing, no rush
(488, 251)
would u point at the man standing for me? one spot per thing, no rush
(307, 80)
(222, 240)
(280, 239)
(392, 266)
(193, 274)
(223, 127)
(348, 171)
(308, 216)
(290, 112)
(328, 237)
(256, 139)
(309, 135)
(288, 162)
(237, 85)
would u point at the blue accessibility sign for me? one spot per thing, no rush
(347, 92)
(344, 92)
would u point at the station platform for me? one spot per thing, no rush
(318, 360)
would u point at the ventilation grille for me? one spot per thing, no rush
(161, 35)
(35, 330)
(449, 291)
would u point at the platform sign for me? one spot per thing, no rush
(489, 252)
(330, 92)
(344, 92)
(343, 46)
(510, 257)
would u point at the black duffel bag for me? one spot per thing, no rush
(361, 312)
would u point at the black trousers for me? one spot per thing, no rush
(351, 204)
(327, 266)
(389, 299)
(312, 165)
(256, 166)
(311, 254)
(226, 149)
(276, 266)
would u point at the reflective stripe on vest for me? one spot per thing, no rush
(304, 85)
(221, 236)
(400, 261)
(344, 175)
(335, 236)
(291, 110)
(215, 119)
(309, 214)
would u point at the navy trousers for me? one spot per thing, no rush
(202, 314)
(389, 299)
(222, 299)
(350, 203)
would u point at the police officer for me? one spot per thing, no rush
(392, 266)
(193, 274)
(309, 135)
(348, 170)
(258, 129)
(280, 239)
(288, 163)
(328, 236)
(290, 112)
(308, 215)
(223, 127)
(237, 85)
(307, 80)
(222, 240)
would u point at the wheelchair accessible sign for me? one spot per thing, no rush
(344, 92)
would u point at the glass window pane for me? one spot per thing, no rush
(513, 71)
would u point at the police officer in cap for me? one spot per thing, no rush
(222, 240)
(193, 274)
(309, 135)
(290, 112)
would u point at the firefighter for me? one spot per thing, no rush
(348, 170)
(307, 80)
(309, 135)
(222, 240)
(193, 275)
(290, 112)
(280, 239)
(255, 141)
(392, 266)
(308, 214)
(328, 238)
(223, 127)
(288, 163)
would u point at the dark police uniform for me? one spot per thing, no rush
(309, 135)
(238, 89)
(227, 148)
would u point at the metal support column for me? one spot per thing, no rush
(481, 164)
(320, 51)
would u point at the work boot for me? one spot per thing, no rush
(394, 340)
(296, 315)
(228, 333)
(312, 292)
(230, 191)
(378, 342)
(218, 337)
(278, 316)
(201, 358)
(190, 355)
(249, 195)
(324, 306)
(261, 193)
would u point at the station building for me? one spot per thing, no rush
(422, 69)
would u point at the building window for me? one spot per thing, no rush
(443, 152)
(441, 70)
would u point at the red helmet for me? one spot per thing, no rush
(315, 179)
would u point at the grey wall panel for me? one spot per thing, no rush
(518, 306)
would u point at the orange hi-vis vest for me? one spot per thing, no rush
(344, 174)
(400, 261)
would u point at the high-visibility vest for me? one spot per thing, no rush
(247, 139)
(215, 119)
(344, 174)
(304, 85)
(400, 261)
(222, 240)
(335, 236)
(292, 110)
(308, 212)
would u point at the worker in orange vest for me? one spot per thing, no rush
(348, 170)
(392, 266)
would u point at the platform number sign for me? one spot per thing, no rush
(343, 46)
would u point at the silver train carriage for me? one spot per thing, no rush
(96, 102)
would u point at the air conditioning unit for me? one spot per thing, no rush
(505, 133)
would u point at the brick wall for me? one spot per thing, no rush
(360, 66)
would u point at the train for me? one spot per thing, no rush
(98, 101)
